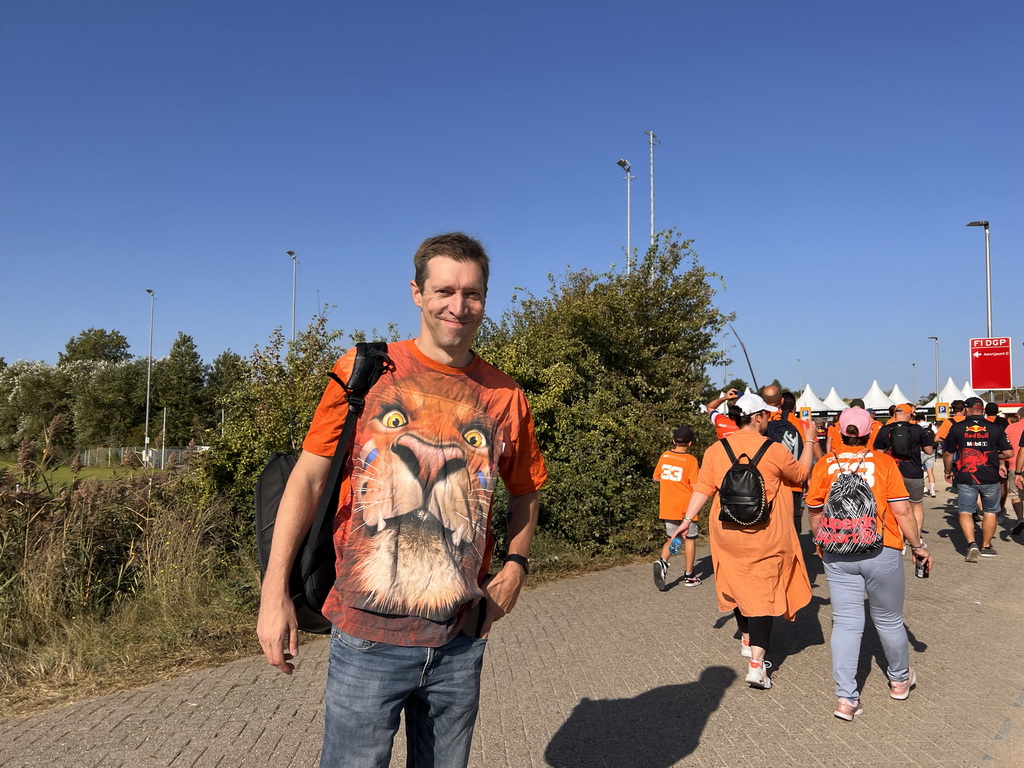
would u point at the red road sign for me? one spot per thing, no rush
(991, 367)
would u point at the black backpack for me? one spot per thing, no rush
(782, 430)
(741, 495)
(899, 440)
(313, 572)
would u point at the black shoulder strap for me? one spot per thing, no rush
(370, 363)
(728, 451)
(760, 452)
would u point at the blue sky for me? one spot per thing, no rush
(824, 157)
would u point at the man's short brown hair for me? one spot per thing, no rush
(454, 245)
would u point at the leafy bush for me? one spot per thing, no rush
(611, 364)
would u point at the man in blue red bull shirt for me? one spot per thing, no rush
(980, 447)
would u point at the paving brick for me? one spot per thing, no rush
(605, 670)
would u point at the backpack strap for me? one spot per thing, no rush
(728, 451)
(370, 363)
(760, 452)
(751, 461)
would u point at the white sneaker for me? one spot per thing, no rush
(757, 675)
(660, 572)
(745, 651)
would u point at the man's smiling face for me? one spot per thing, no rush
(452, 308)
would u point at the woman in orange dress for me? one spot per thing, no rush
(759, 569)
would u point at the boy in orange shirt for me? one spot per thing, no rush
(676, 473)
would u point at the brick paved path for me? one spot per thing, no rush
(604, 670)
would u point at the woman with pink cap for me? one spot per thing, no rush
(877, 572)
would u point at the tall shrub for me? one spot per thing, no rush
(611, 363)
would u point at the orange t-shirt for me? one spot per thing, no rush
(800, 425)
(1013, 434)
(413, 529)
(759, 568)
(836, 443)
(881, 473)
(724, 426)
(943, 431)
(676, 473)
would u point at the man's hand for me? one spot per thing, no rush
(1018, 480)
(278, 631)
(502, 593)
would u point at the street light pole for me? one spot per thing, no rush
(149, 372)
(292, 254)
(653, 141)
(988, 274)
(801, 365)
(624, 164)
(913, 375)
(725, 365)
(936, 340)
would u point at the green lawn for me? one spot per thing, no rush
(62, 475)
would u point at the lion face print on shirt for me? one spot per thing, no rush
(422, 483)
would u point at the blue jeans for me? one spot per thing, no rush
(880, 574)
(370, 684)
(967, 498)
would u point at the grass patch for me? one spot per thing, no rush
(120, 580)
(60, 477)
(110, 585)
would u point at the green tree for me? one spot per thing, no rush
(611, 364)
(178, 382)
(32, 395)
(226, 373)
(109, 403)
(269, 409)
(96, 345)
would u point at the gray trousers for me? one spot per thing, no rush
(879, 574)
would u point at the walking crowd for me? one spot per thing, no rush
(413, 602)
(863, 484)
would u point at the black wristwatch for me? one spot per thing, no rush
(520, 560)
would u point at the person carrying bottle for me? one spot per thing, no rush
(676, 473)
(877, 572)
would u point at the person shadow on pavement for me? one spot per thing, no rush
(655, 729)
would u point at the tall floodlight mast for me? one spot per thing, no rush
(624, 164)
(652, 139)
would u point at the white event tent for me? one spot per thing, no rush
(948, 394)
(834, 401)
(810, 400)
(897, 396)
(968, 391)
(875, 399)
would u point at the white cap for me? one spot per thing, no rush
(750, 403)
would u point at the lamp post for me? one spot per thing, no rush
(653, 141)
(624, 164)
(725, 365)
(936, 340)
(801, 367)
(913, 375)
(149, 372)
(294, 262)
(988, 274)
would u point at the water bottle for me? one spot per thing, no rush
(675, 546)
(919, 569)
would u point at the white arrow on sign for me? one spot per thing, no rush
(977, 354)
